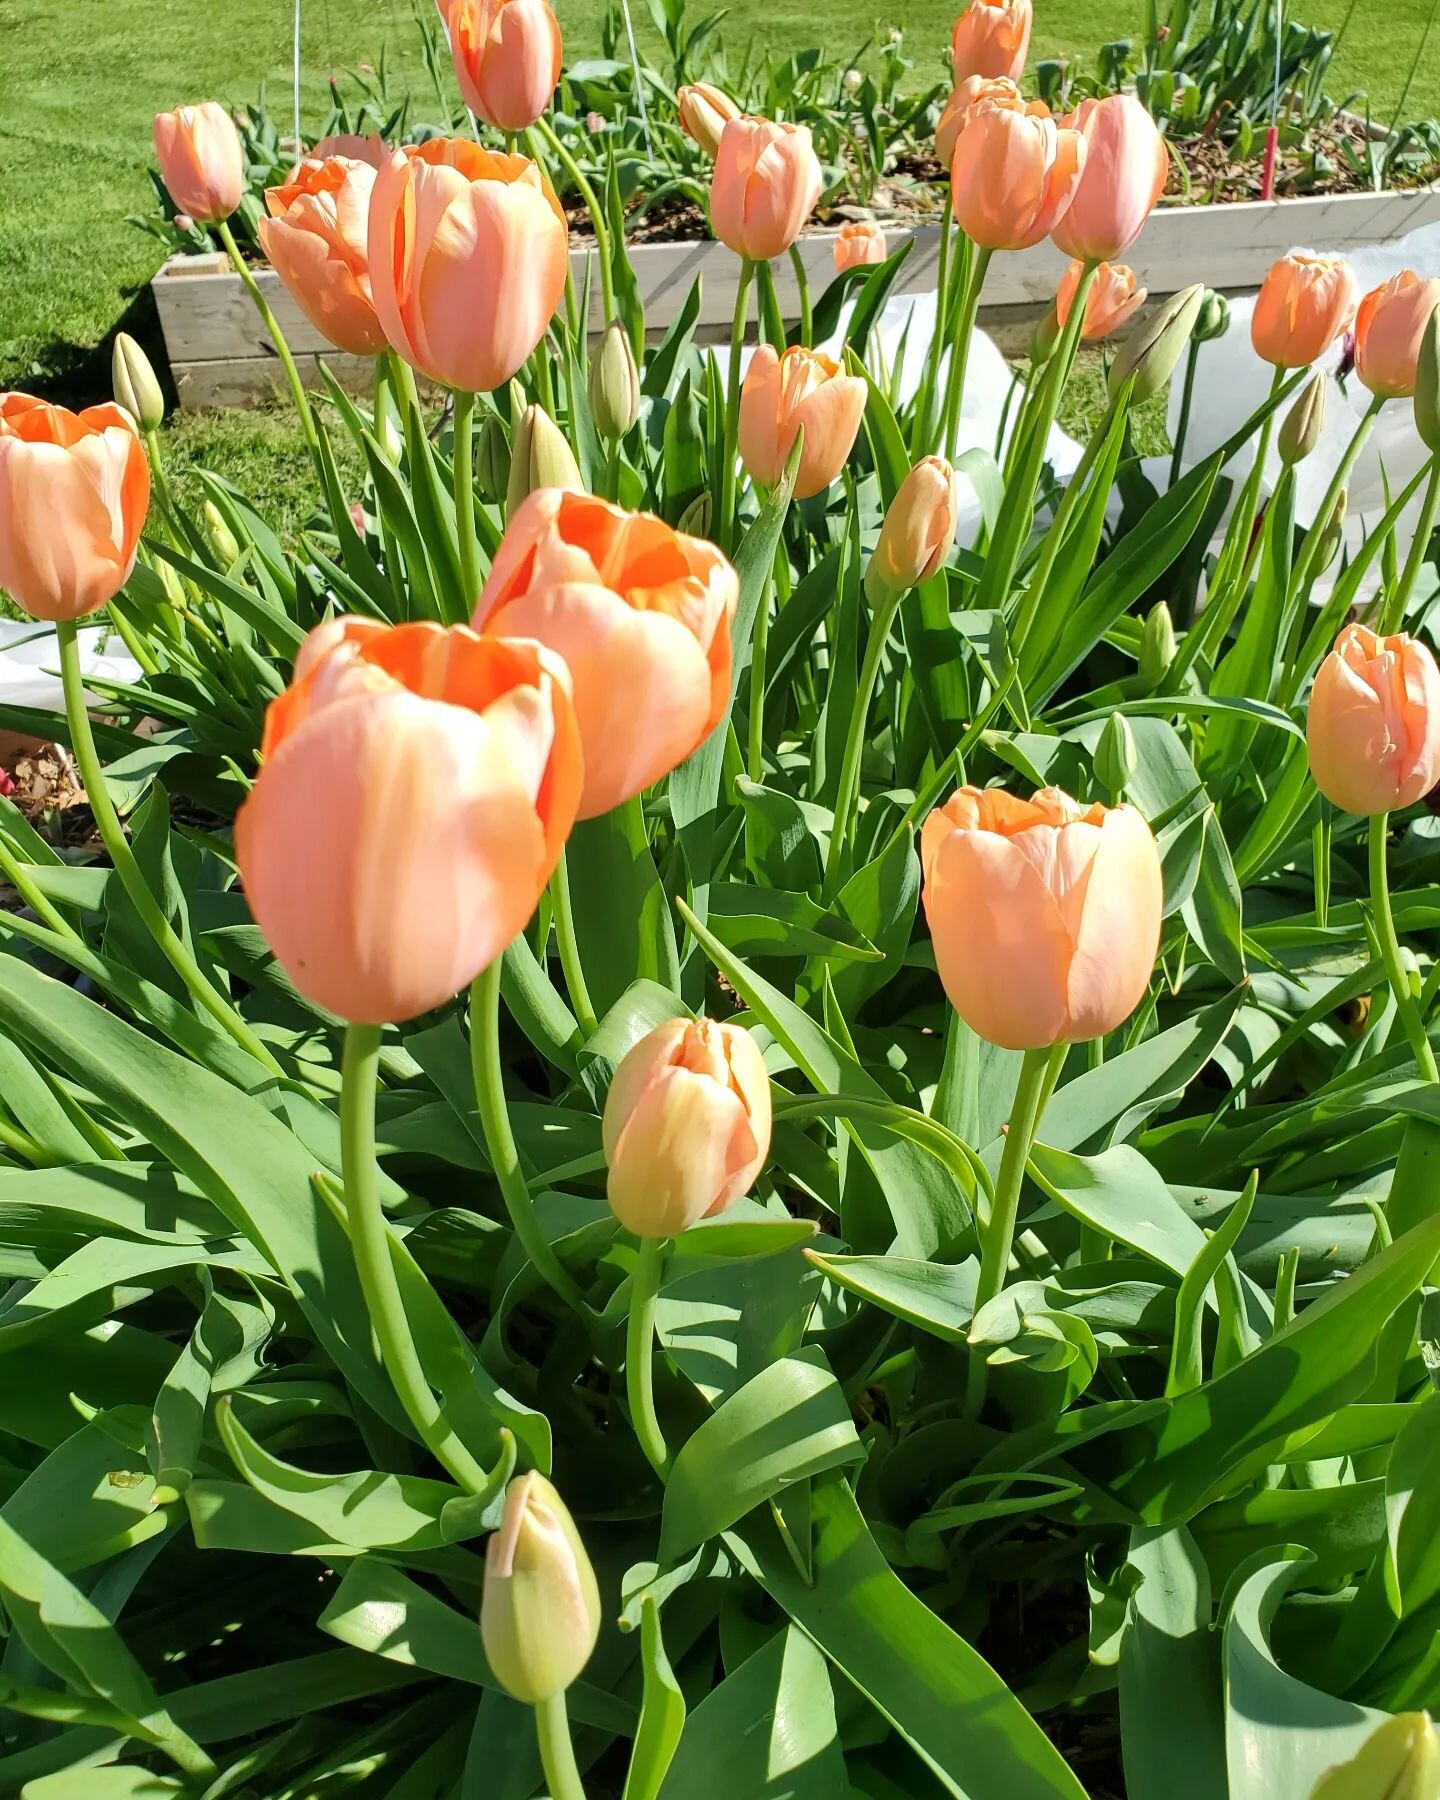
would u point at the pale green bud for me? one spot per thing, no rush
(1157, 643)
(1334, 530)
(614, 383)
(492, 457)
(219, 536)
(1153, 348)
(1302, 426)
(539, 458)
(540, 1608)
(1427, 385)
(696, 519)
(1214, 318)
(1399, 1761)
(1116, 758)
(1045, 337)
(136, 387)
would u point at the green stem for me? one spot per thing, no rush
(1038, 1073)
(640, 1352)
(122, 858)
(1314, 537)
(725, 535)
(15, 873)
(1182, 427)
(267, 317)
(592, 205)
(881, 622)
(802, 282)
(759, 643)
(569, 946)
(500, 1140)
(920, 425)
(1405, 1006)
(960, 350)
(557, 1753)
(464, 429)
(1394, 615)
(374, 1263)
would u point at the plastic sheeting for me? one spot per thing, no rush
(30, 663)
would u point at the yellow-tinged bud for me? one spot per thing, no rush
(918, 533)
(1153, 348)
(704, 112)
(1116, 758)
(539, 458)
(1301, 428)
(1399, 1761)
(1427, 385)
(136, 386)
(614, 384)
(540, 1610)
(1157, 643)
(219, 536)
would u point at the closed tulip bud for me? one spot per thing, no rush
(704, 113)
(135, 384)
(1301, 429)
(74, 491)
(1305, 302)
(1126, 167)
(1400, 1760)
(614, 384)
(766, 182)
(858, 244)
(1334, 531)
(219, 536)
(1153, 348)
(990, 38)
(201, 161)
(782, 394)
(507, 57)
(641, 616)
(540, 1607)
(492, 458)
(1157, 643)
(1045, 914)
(539, 458)
(1389, 330)
(1427, 385)
(1045, 338)
(686, 1127)
(1116, 758)
(1114, 298)
(696, 518)
(918, 533)
(1374, 724)
(1214, 319)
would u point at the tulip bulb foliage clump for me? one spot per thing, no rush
(724, 1093)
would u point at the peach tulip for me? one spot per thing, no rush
(991, 37)
(764, 188)
(1045, 914)
(507, 58)
(967, 99)
(417, 788)
(1012, 177)
(857, 244)
(201, 161)
(1389, 329)
(640, 613)
(918, 532)
(371, 149)
(317, 239)
(1113, 298)
(1374, 725)
(782, 393)
(74, 491)
(468, 253)
(1126, 167)
(686, 1126)
(1305, 302)
(704, 112)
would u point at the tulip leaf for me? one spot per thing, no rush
(1170, 1675)
(1120, 1194)
(662, 1712)
(622, 918)
(935, 1297)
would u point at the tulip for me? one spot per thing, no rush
(224, 545)
(540, 1606)
(468, 254)
(783, 393)
(1157, 644)
(919, 530)
(1302, 427)
(1389, 329)
(507, 58)
(974, 92)
(857, 244)
(1126, 167)
(540, 457)
(991, 38)
(614, 384)
(417, 788)
(1400, 1760)
(764, 188)
(1045, 914)
(1013, 176)
(134, 383)
(704, 113)
(1113, 298)
(74, 491)
(1149, 354)
(641, 615)
(371, 149)
(201, 161)
(1116, 758)
(1374, 725)
(1214, 318)
(1305, 302)
(686, 1126)
(317, 239)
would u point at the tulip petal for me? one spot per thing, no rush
(675, 1154)
(1119, 924)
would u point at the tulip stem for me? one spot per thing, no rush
(925, 398)
(464, 431)
(375, 1265)
(571, 966)
(1182, 424)
(1384, 920)
(1394, 615)
(802, 283)
(597, 217)
(122, 858)
(500, 1140)
(268, 319)
(15, 872)
(640, 1352)
(960, 349)
(1038, 1074)
(881, 622)
(557, 1752)
(725, 535)
(1310, 549)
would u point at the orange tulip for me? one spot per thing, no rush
(782, 393)
(686, 1126)
(468, 252)
(1304, 303)
(1126, 166)
(1045, 914)
(704, 112)
(317, 239)
(991, 37)
(857, 244)
(201, 161)
(1389, 329)
(765, 185)
(74, 491)
(1012, 177)
(918, 532)
(640, 613)
(507, 58)
(969, 96)
(1113, 298)
(417, 789)
(1374, 725)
